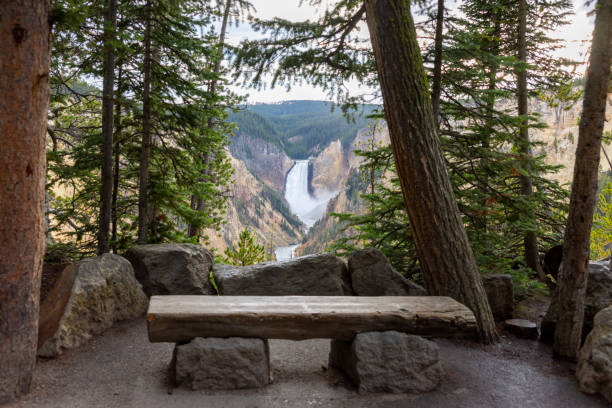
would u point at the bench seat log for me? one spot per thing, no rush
(182, 318)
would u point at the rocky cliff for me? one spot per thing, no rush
(262, 158)
(561, 137)
(335, 169)
(258, 207)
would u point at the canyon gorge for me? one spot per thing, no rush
(295, 164)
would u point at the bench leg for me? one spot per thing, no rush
(388, 362)
(221, 364)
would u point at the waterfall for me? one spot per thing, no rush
(307, 208)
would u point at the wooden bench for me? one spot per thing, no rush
(182, 318)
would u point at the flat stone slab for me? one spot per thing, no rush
(181, 318)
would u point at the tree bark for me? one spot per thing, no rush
(110, 26)
(116, 166)
(574, 273)
(436, 87)
(24, 86)
(532, 258)
(446, 258)
(145, 150)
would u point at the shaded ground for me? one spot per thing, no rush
(122, 369)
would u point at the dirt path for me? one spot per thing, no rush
(122, 369)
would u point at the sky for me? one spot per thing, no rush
(577, 35)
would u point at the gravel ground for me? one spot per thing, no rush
(122, 369)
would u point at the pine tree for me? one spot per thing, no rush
(181, 107)
(246, 251)
(24, 75)
(574, 273)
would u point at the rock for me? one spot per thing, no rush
(388, 362)
(172, 269)
(522, 328)
(599, 292)
(598, 297)
(264, 159)
(500, 293)
(372, 275)
(104, 291)
(313, 275)
(552, 261)
(54, 303)
(222, 364)
(594, 369)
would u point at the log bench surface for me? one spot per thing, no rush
(182, 318)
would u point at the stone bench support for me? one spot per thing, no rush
(388, 362)
(221, 364)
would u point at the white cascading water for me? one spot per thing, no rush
(307, 208)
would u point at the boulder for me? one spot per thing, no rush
(53, 303)
(388, 362)
(594, 369)
(104, 291)
(598, 296)
(313, 275)
(222, 364)
(599, 292)
(372, 275)
(172, 269)
(500, 293)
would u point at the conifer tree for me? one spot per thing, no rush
(24, 84)
(181, 107)
(574, 273)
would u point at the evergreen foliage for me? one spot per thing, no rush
(479, 127)
(301, 128)
(246, 251)
(601, 234)
(182, 107)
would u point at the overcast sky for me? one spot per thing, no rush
(577, 34)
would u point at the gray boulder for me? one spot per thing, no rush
(598, 296)
(222, 364)
(313, 275)
(172, 269)
(388, 362)
(372, 275)
(594, 369)
(104, 291)
(599, 292)
(500, 293)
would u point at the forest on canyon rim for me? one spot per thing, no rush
(147, 140)
(193, 149)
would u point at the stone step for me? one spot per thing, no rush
(182, 318)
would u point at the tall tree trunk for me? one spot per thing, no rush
(574, 273)
(480, 221)
(145, 150)
(24, 86)
(110, 26)
(436, 87)
(532, 258)
(116, 166)
(446, 258)
(198, 203)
